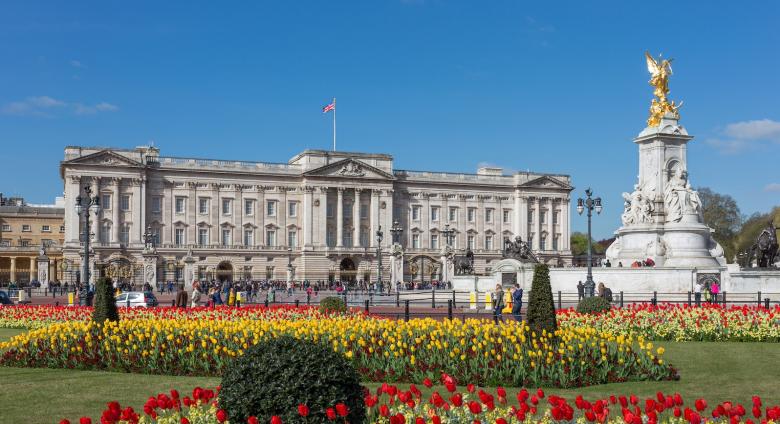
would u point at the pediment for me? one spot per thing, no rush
(104, 158)
(349, 168)
(546, 182)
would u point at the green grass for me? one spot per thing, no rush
(7, 333)
(715, 371)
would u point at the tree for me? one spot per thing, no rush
(579, 244)
(541, 306)
(721, 213)
(105, 302)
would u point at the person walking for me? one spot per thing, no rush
(715, 289)
(181, 296)
(517, 302)
(580, 291)
(195, 299)
(697, 288)
(498, 304)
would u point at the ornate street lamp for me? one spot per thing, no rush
(85, 205)
(448, 233)
(379, 237)
(589, 204)
(396, 230)
(289, 264)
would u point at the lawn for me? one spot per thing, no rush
(716, 371)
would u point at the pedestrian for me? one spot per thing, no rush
(715, 289)
(517, 302)
(498, 304)
(170, 287)
(195, 299)
(181, 297)
(697, 288)
(707, 292)
(602, 290)
(289, 288)
(580, 291)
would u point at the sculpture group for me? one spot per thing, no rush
(765, 249)
(519, 250)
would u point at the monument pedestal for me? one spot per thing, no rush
(43, 270)
(150, 268)
(189, 271)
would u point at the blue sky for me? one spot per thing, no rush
(556, 87)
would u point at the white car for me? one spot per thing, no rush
(136, 299)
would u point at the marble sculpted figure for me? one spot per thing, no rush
(680, 199)
(638, 207)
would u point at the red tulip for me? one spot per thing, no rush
(330, 413)
(342, 409)
(85, 420)
(475, 407)
(700, 404)
(252, 420)
(184, 420)
(276, 420)
(384, 410)
(419, 420)
(221, 416)
(427, 382)
(501, 421)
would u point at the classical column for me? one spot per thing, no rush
(142, 209)
(388, 223)
(72, 220)
(308, 213)
(322, 225)
(537, 226)
(138, 231)
(517, 216)
(13, 268)
(565, 224)
(374, 217)
(115, 224)
(191, 215)
(260, 216)
(551, 224)
(215, 209)
(95, 217)
(356, 219)
(339, 217)
(523, 218)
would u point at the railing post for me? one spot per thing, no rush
(724, 299)
(449, 309)
(689, 298)
(621, 298)
(173, 302)
(559, 300)
(366, 307)
(453, 298)
(759, 298)
(655, 298)
(397, 298)
(766, 303)
(433, 299)
(238, 303)
(297, 303)
(308, 299)
(266, 301)
(406, 310)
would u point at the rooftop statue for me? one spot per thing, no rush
(519, 250)
(659, 79)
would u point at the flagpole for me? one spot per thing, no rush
(334, 124)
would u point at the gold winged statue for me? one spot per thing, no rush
(659, 79)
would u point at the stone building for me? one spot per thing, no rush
(319, 212)
(24, 229)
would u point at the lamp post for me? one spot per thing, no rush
(379, 237)
(590, 204)
(448, 233)
(396, 230)
(85, 205)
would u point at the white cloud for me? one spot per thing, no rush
(772, 187)
(76, 64)
(46, 106)
(744, 135)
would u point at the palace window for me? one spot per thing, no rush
(180, 205)
(5, 243)
(542, 216)
(489, 215)
(434, 213)
(506, 214)
(203, 206)
(105, 201)
(227, 206)
(6, 227)
(330, 238)
(363, 237)
(292, 238)
(347, 212)
(46, 228)
(156, 204)
(292, 209)
(472, 214)
(105, 233)
(203, 236)
(556, 217)
(471, 241)
(26, 228)
(178, 236)
(347, 238)
(249, 238)
(329, 210)
(363, 211)
(124, 202)
(124, 234)
(226, 239)
(62, 228)
(270, 238)
(531, 215)
(434, 241)
(543, 243)
(416, 213)
(249, 207)
(415, 241)
(271, 208)
(453, 214)
(488, 242)
(24, 243)
(555, 243)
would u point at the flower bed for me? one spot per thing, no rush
(683, 323)
(380, 349)
(391, 404)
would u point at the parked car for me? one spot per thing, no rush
(137, 299)
(5, 299)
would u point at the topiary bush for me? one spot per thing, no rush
(333, 304)
(105, 302)
(276, 375)
(541, 306)
(593, 305)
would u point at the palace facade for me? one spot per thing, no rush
(319, 213)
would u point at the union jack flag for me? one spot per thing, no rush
(328, 108)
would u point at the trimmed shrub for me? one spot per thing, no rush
(541, 306)
(593, 305)
(276, 375)
(105, 302)
(333, 304)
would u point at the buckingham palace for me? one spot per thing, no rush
(316, 216)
